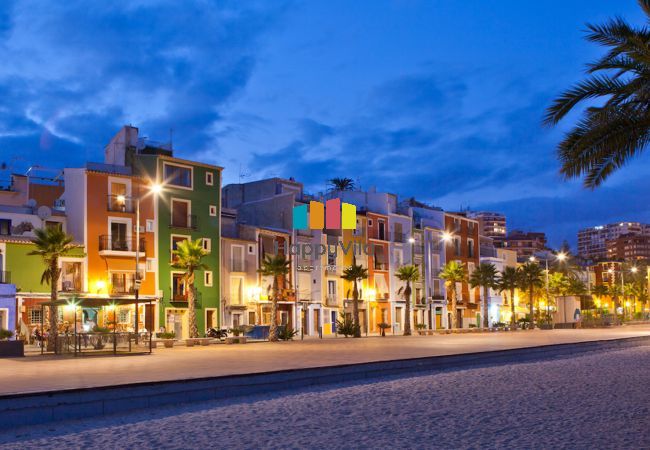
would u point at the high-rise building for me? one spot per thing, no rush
(629, 247)
(592, 242)
(492, 225)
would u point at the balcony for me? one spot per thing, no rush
(237, 265)
(5, 277)
(331, 300)
(109, 243)
(120, 203)
(186, 222)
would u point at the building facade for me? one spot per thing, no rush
(526, 244)
(592, 242)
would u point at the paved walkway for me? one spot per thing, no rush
(41, 374)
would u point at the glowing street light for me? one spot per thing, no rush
(156, 188)
(561, 256)
(447, 236)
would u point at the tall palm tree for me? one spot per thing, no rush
(509, 281)
(408, 273)
(485, 277)
(453, 272)
(353, 274)
(188, 257)
(614, 291)
(51, 244)
(617, 128)
(276, 266)
(341, 184)
(531, 278)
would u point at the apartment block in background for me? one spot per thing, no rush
(525, 243)
(492, 225)
(592, 242)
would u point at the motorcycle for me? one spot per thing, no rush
(215, 333)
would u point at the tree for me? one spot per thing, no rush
(353, 274)
(617, 127)
(485, 277)
(453, 272)
(51, 244)
(408, 273)
(277, 267)
(531, 278)
(509, 281)
(341, 184)
(188, 257)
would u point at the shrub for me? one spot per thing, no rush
(472, 325)
(421, 326)
(5, 334)
(499, 325)
(98, 329)
(287, 333)
(346, 326)
(169, 335)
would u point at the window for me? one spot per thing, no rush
(175, 242)
(150, 225)
(178, 288)
(209, 178)
(470, 248)
(251, 249)
(213, 210)
(369, 222)
(457, 246)
(35, 315)
(71, 276)
(382, 230)
(118, 199)
(119, 240)
(151, 265)
(52, 225)
(207, 244)
(236, 290)
(124, 315)
(5, 227)
(181, 213)
(237, 258)
(122, 282)
(207, 278)
(178, 176)
(358, 231)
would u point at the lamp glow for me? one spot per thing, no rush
(156, 188)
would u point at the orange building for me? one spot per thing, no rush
(378, 271)
(102, 203)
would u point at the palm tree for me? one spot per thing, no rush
(276, 266)
(531, 278)
(453, 272)
(484, 276)
(188, 257)
(614, 291)
(51, 244)
(509, 281)
(353, 274)
(407, 273)
(341, 184)
(617, 128)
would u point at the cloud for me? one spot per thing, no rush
(77, 73)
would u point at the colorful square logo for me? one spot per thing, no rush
(333, 215)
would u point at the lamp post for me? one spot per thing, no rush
(154, 189)
(446, 237)
(560, 257)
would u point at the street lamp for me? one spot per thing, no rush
(154, 189)
(412, 242)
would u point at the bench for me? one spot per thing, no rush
(236, 340)
(197, 341)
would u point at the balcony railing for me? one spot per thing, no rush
(237, 265)
(179, 297)
(380, 266)
(331, 300)
(110, 243)
(120, 203)
(188, 222)
(5, 277)
(399, 237)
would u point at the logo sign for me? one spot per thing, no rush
(333, 215)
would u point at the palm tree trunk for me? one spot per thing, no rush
(513, 318)
(191, 307)
(273, 329)
(452, 325)
(486, 322)
(532, 307)
(54, 310)
(355, 310)
(407, 309)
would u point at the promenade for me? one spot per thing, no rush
(43, 374)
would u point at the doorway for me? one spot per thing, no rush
(316, 320)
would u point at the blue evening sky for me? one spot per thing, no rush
(441, 100)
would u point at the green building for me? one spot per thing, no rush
(187, 206)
